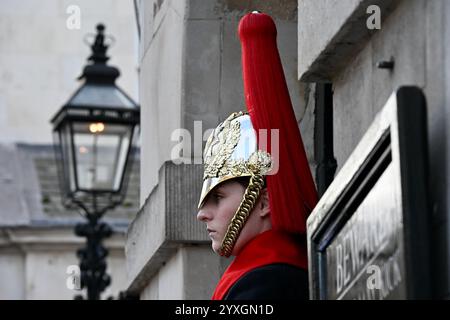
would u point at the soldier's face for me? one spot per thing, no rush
(218, 210)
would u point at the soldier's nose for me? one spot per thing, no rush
(202, 215)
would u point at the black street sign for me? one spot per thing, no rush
(368, 237)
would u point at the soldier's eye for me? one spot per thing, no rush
(217, 196)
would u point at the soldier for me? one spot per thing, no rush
(258, 189)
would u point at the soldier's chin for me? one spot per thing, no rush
(215, 246)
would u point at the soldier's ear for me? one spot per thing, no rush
(264, 203)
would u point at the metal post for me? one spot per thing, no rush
(93, 257)
(323, 137)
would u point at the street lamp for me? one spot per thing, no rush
(94, 137)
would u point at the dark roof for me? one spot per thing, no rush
(29, 190)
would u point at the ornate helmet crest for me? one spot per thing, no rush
(231, 152)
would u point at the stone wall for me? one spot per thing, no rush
(40, 59)
(34, 262)
(343, 51)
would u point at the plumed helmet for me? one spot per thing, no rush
(291, 189)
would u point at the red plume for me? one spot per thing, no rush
(292, 192)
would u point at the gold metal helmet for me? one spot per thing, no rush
(231, 152)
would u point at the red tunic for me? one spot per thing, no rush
(266, 248)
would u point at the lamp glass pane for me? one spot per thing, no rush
(67, 164)
(101, 151)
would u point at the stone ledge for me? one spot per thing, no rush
(51, 239)
(331, 32)
(166, 220)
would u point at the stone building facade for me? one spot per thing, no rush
(190, 71)
(41, 54)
